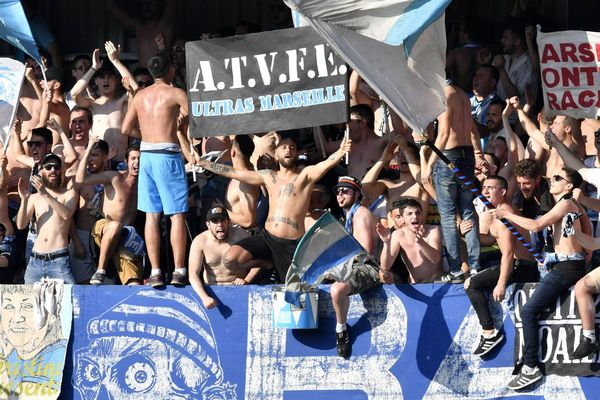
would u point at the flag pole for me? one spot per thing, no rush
(469, 184)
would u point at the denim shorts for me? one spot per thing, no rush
(51, 267)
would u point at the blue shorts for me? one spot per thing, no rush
(162, 184)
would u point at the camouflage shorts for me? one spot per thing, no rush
(361, 276)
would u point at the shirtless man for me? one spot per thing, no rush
(516, 265)
(406, 186)
(319, 199)
(367, 145)
(568, 266)
(241, 198)
(162, 181)
(108, 110)
(289, 194)
(421, 244)
(89, 211)
(80, 126)
(567, 129)
(207, 252)
(53, 207)
(113, 234)
(7, 232)
(155, 18)
(458, 139)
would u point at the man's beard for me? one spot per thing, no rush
(52, 185)
(287, 162)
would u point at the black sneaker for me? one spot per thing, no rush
(585, 348)
(488, 344)
(97, 278)
(524, 380)
(451, 278)
(342, 341)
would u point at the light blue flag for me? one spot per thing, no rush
(325, 246)
(11, 77)
(15, 29)
(397, 46)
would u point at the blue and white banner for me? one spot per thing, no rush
(11, 78)
(397, 46)
(408, 342)
(15, 29)
(324, 246)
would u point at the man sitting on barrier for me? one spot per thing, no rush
(567, 264)
(113, 233)
(207, 252)
(289, 194)
(421, 244)
(516, 265)
(362, 274)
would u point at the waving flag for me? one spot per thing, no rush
(15, 29)
(326, 245)
(11, 77)
(397, 46)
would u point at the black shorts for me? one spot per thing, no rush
(265, 246)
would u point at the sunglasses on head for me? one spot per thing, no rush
(343, 190)
(34, 143)
(49, 166)
(558, 178)
(144, 83)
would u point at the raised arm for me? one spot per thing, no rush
(196, 266)
(33, 82)
(511, 140)
(507, 84)
(256, 178)
(69, 153)
(113, 55)
(531, 129)
(389, 251)
(81, 176)
(371, 186)
(16, 145)
(78, 90)
(316, 172)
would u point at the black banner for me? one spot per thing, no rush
(264, 81)
(559, 334)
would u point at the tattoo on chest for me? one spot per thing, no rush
(285, 220)
(288, 189)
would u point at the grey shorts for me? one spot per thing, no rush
(361, 276)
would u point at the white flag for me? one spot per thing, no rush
(11, 77)
(398, 47)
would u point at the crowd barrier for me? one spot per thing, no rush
(408, 342)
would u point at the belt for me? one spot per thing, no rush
(464, 150)
(50, 256)
(524, 263)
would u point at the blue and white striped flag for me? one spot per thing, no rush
(15, 29)
(324, 246)
(397, 46)
(11, 77)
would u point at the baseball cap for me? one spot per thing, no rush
(217, 213)
(349, 182)
(51, 157)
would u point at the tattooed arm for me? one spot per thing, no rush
(316, 172)
(250, 177)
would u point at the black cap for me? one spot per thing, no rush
(349, 182)
(217, 213)
(51, 157)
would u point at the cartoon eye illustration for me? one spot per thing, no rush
(139, 375)
(88, 373)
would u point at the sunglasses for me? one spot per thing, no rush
(558, 178)
(144, 83)
(342, 190)
(216, 220)
(48, 167)
(34, 143)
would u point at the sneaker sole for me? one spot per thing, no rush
(492, 347)
(96, 283)
(527, 384)
(157, 284)
(588, 354)
(178, 284)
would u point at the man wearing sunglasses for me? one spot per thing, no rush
(53, 207)
(566, 264)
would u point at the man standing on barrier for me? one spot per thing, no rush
(458, 139)
(516, 265)
(566, 263)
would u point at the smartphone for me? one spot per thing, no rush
(34, 172)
